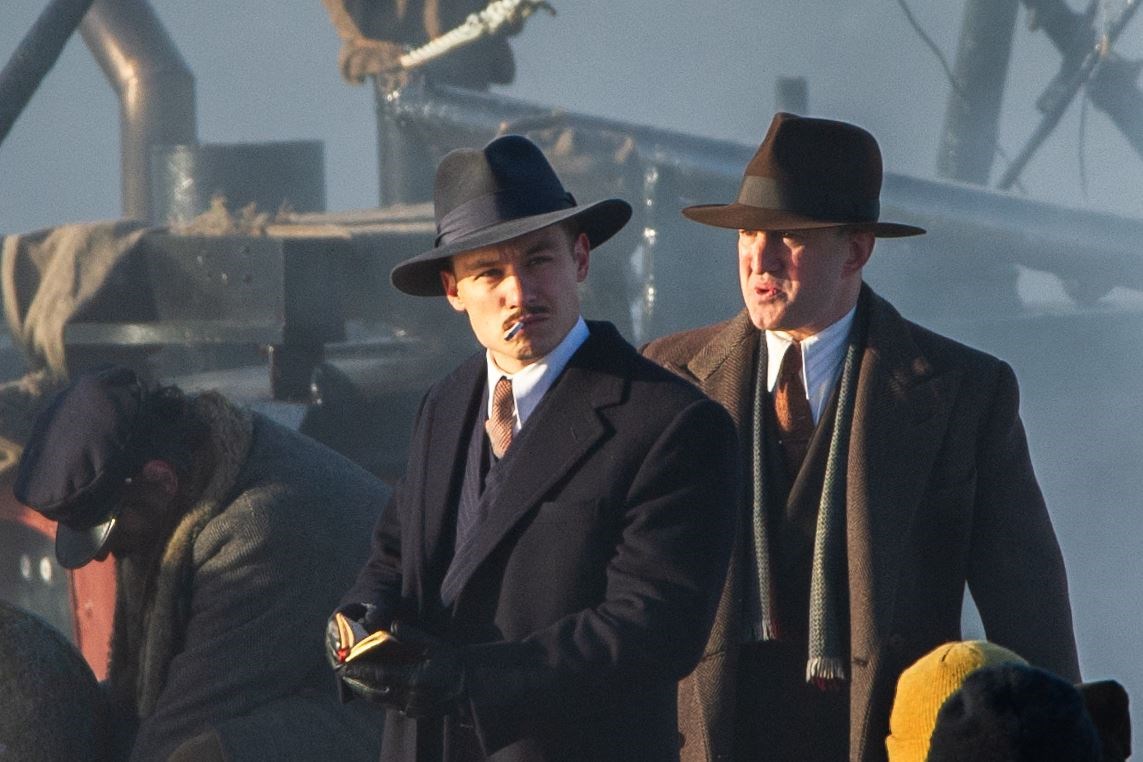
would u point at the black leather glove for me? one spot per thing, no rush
(366, 614)
(425, 687)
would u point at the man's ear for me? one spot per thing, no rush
(161, 474)
(448, 283)
(860, 250)
(581, 250)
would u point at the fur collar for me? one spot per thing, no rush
(153, 593)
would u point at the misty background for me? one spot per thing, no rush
(266, 71)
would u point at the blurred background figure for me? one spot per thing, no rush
(923, 688)
(232, 537)
(374, 34)
(51, 708)
(1015, 713)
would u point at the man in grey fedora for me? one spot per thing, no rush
(886, 468)
(555, 550)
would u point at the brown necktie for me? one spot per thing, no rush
(503, 417)
(792, 409)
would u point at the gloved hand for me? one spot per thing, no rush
(361, 56)
(366, 614)
(429, 686)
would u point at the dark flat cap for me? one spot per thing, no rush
(78, 457)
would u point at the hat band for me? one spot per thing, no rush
(502, 206)
(820, 204)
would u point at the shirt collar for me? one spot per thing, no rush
(531, 383)
(822, 357)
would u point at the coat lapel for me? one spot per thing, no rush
(562, 429)
(452, 423)
(901, 411)
(724, 368)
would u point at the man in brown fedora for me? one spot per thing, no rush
(886, 467)
(554, 553)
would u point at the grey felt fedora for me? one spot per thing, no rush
(482, 197)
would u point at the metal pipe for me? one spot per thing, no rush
(1113, 91)
(428, 108)
(35, 56)
(403, 157)
(972, 115)
(155, 88)
(1060, 92)
(713, 169)
(1112, 87)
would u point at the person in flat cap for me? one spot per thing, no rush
(887, 467)
(232, 538)
(555, 550)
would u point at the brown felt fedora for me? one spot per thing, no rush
(808, 173)
(482, 197)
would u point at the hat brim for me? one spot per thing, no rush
(746, 217)
(77, 547)
(420, 275)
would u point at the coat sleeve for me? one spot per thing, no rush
(1016, 571)
(379, 581)
(663, 583)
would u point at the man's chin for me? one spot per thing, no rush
(765, 321)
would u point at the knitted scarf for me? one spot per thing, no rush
(828, 578)
(153, 593)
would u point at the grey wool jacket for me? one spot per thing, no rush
(223, 632)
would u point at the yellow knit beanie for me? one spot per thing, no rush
(923, 688)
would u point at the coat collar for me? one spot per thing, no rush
(724, 367)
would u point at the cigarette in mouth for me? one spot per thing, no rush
(515, 329)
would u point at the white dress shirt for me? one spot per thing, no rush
(822, 357)
(531, 383)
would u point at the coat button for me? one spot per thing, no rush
(896, 640)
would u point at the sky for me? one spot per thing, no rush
(266, 71)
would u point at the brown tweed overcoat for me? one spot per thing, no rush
(940, 494)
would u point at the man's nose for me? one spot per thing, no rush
(763, 252)
(515, 288)
(770, 251)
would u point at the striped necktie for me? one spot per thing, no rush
(502, 420)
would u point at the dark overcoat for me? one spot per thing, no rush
(940, 492)
(596, 573)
